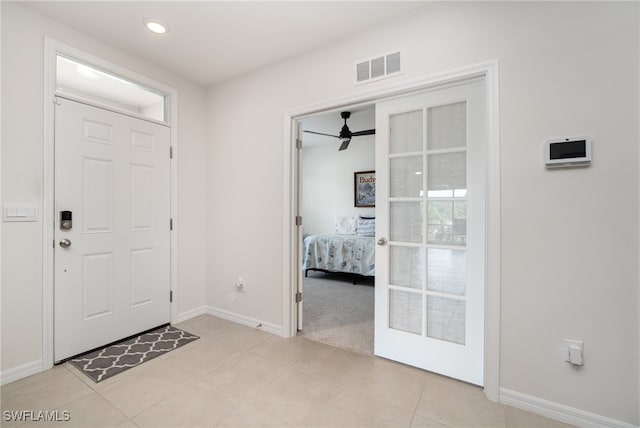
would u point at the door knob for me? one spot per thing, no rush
(382, 241)
(65, 243)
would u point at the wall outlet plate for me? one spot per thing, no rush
(574, 352)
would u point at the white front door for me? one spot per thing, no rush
(112, 273)
(430, 227)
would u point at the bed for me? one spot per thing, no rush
(350, 254)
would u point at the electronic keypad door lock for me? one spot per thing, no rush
(65, 220)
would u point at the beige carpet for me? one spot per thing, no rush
(337, 312)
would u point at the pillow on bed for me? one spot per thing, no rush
(366, 226)
(345, 225)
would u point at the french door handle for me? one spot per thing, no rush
(382, 241)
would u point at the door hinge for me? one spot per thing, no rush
(299, 297)
(170, 296)
(298, 143)
(54, 243)
(298, 220)
(170, 224)
(170, 152)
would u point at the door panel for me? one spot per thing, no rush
(97, 285)
(97, 178)
(430, 206)
(112, 172)
(141, 201)
(141, 276)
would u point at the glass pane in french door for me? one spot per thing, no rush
(447, 271)
(447, 125)
(406, 221)
(446, 319)
(447, 175)
(407, 266)
(447, 222)
(405, 132)
(405, 176)
(405, 311)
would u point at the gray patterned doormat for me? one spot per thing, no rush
(103, 363)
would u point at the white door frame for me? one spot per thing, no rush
(488, 71)
(53, 47)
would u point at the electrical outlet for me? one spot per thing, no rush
(574, 352)
(240, 286)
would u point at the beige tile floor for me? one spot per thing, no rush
(235, 376)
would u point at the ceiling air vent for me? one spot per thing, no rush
(362, 71)
(378, 67)
(393, 63)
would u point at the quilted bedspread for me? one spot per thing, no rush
(340, 253)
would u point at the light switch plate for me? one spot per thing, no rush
(19, 211)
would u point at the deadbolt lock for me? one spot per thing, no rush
(65, 220)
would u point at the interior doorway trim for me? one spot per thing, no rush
(489, 72)
(52, 48)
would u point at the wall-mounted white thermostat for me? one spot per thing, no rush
(567, 152)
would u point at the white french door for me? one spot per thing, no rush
(298, 198)
(430, 228)
(112, 261)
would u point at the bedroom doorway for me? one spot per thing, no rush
(489, 163)
(338, 250)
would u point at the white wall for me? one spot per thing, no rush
(23, 33)
(327, 174)
(569, 237)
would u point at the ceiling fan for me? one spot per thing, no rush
(345, 133)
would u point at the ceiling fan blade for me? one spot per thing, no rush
(344, 145)
(365, 132)
(321, 133)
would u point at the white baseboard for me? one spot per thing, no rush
(249, 322)
(184, 316)
(24, 370)
(558, 411)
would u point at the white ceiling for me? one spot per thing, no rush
(212, 41)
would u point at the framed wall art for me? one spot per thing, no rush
(364, 188)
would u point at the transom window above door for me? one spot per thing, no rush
(93, 84)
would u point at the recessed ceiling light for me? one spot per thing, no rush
(155, 26)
